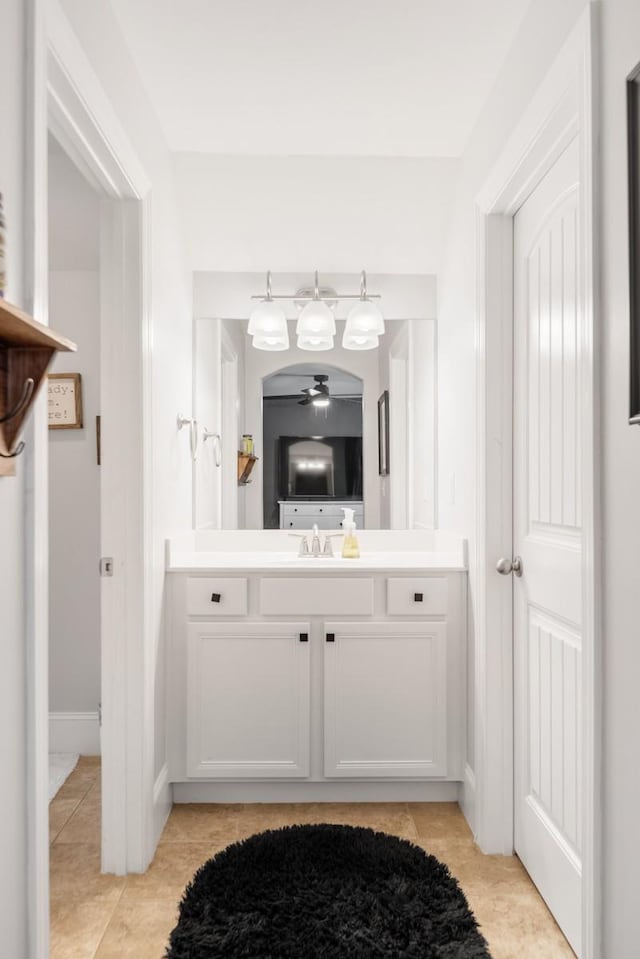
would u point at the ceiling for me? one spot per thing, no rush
(293, 379)
(332, 78)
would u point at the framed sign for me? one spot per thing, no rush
(64, 401)
(633, 147)
(383, 434)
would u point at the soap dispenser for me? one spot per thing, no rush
(350, 547)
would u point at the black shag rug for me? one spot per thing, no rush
(323, 892)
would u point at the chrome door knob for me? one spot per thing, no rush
(506, 566)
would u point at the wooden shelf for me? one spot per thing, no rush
(246, 462)
(26, 350)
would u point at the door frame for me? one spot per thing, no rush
(401, 429)
(65, 95)
(563, 108)
(229, 394)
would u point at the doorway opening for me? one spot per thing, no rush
(90, 136)
(74, 470)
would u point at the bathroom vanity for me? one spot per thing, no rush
(300, 679)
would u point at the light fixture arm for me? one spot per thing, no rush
(308, 296)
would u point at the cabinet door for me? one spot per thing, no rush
(385, 700)
(248, 700)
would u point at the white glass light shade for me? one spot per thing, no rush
(267, 318)
(310, 342)
(271, 342)
(316, 319)
(359, 341)
(365, 317)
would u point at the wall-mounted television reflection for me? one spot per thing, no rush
(320, 467)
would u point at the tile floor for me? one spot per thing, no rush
(111, 917)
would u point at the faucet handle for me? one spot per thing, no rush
(328, 545)
(304, 543)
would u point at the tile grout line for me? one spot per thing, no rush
(107, 924)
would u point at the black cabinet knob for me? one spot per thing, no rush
(331, 637)
(418, 597)
(216, 597)
(304, 637)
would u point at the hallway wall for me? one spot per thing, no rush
(620, 20)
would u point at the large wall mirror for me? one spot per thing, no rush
(313, 417)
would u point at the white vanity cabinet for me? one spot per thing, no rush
(385, 700)
(248, 700)
(315, 682)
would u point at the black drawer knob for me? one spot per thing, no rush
(418, 597)
(216, 597)
(304, 637)
(331, 637)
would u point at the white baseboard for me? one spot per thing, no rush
(74, 733)
(467, 797)
(162, 803)
(254, 792)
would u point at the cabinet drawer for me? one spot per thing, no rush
(308, 509)
(417, 596)
(215, 596)
(307, 522)
(316, 597)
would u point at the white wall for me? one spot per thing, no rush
(621, 504)
(424, 376)
(337, 214)
(171, 317)
(544, 29)
(74, 476)
(74, 506)
(13, 702)
(421, 425)
(235, 334)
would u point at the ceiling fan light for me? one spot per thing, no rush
(316, 319)
(365, 317)
(267, 318)
(315, 342)
(271, 342)
(321, 401)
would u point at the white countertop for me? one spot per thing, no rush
(275, 550)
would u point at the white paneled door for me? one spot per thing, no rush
(548, 539)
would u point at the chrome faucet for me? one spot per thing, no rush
(320, 549)
(316, 550)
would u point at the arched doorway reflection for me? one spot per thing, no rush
(312, 441)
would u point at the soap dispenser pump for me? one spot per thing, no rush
(350, 547)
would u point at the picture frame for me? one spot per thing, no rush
(633, 159)
(383, 434)
(64, 401)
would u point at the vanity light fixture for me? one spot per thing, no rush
(365, 323)
(316, 326)
(268, 323)
(309, 342)
(359, 341)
